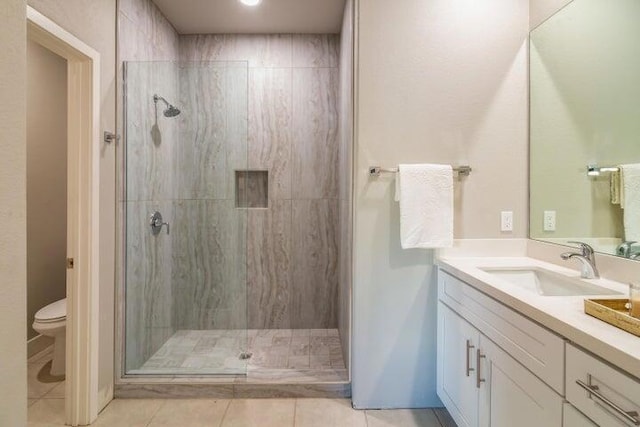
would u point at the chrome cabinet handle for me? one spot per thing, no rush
(469, 347)
(631, 416)
(479, 356)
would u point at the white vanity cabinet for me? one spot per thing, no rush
(606, 395)
(478, 381)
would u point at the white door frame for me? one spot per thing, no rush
(83, 142)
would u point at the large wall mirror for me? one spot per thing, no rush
(585, 126)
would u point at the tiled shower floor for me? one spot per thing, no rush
(277, 355)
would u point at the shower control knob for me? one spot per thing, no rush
(156, 223)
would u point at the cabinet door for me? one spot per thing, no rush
(510, 395)
(457, 342)
(574, 418)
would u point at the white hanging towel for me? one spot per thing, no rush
(425, 192)
(630, 200)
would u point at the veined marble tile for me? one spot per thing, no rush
(236, 144)
(164, 36)
(315, 133)
(209, 272)
(269, 266)
(134, 45)
(315, 252)
(202, 153)
(202, 47)
(150, 137)
(270, 129)
(315, 50)
(260, 50)
(140, 12)
(149, 298)
(253, 390)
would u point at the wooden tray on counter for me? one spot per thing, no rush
(614, 312)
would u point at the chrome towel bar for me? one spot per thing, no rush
(595, 170)
(377, 170)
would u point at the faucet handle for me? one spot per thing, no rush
(587, 250)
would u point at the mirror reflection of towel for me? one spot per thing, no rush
(630, 200)
(614, 183)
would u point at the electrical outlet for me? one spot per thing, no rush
(549, 220)
(506, 221)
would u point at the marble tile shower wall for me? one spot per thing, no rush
(209, 232)
(146, 35)
(150, 145)
(292, 246)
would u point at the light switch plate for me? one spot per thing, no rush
(506, 221)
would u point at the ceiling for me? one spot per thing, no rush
(270, 16)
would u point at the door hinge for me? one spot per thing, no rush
(69, 263)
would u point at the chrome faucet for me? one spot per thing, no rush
(624, 249)
(587, 258)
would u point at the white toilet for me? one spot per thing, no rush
(51, 321)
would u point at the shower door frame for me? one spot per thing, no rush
(83, 196)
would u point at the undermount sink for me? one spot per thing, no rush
(547, 283)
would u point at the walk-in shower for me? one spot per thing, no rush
(232, 221)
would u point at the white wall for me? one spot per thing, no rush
(94, 22)
(437, 81)
(46, 180)
(13, 210)
(539, 10)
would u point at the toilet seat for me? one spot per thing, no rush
(53, 312)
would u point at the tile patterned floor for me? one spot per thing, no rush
(40, 384)
(242, 413)
(292, 355)
(46, 407)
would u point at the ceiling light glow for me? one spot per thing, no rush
(250, 2)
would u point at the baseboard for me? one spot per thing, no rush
(38, 343)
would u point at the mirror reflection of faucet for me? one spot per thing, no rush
(587, 258)
(157, 223)
(624, 248)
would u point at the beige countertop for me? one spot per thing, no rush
(562, 314)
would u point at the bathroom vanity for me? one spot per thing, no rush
(516, 348)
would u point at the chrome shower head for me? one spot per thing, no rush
(170, 111)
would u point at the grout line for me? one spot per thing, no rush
(295, 411)
(164, 402)
(226, 410)
(366, 418)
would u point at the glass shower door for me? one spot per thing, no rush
(186, 218)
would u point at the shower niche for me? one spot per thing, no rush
(252, 189)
